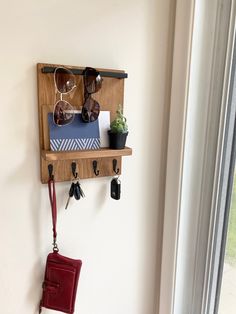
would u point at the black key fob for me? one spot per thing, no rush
(77, 191)
(115, 188)
(81, 191)
(71, 191)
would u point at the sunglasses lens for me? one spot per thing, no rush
(63, 113)
(92, 80)
(64, 80)
(90, 110)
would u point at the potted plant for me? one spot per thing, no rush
(119, 130)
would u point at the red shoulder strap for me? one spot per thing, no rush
(53, 202)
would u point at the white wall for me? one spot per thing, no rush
(118, 241)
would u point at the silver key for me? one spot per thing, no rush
(71, 193)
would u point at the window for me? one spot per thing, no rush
(199, 146)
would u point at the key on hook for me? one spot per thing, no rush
(71, 193)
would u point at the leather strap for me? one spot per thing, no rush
(53, 202)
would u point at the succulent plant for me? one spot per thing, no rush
(119, 125)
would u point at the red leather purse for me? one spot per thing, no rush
(61, 273)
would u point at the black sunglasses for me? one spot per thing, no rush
(92, 84)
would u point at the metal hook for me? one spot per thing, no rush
(73, 169)
(95, 164)
(50, 171)
(116, 170)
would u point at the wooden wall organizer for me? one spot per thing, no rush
(110, 95)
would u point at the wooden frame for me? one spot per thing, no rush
(111, 94)
(188, 248)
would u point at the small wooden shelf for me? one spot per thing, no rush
(84, 154)
(109, 97)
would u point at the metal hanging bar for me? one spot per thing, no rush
(119, 75)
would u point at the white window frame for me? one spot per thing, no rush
(190, 20)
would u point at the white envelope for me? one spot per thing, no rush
(104, 126)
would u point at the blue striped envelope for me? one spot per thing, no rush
(75, 136)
